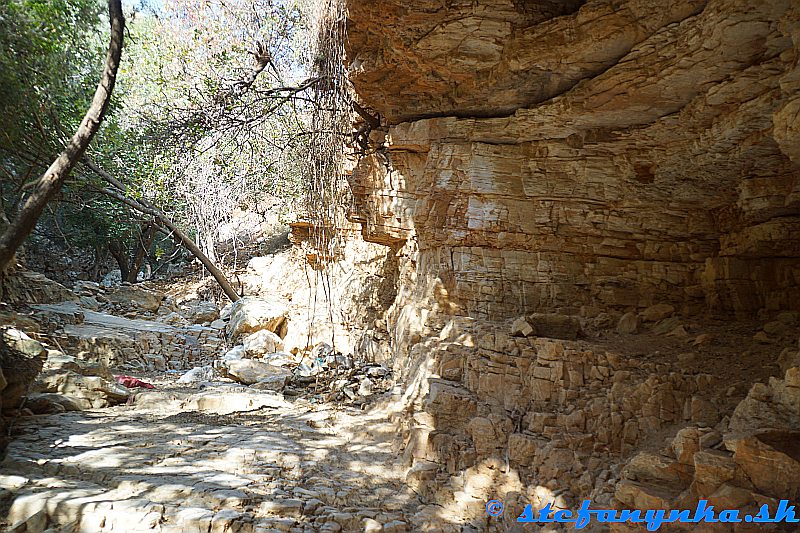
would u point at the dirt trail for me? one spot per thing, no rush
(222, 460)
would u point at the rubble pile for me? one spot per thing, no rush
(259, 360)
(320, 374)
(327, 376)
(754, 462)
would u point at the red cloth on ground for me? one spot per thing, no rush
(132, 382)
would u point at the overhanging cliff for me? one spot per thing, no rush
(568, 155)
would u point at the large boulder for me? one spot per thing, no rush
(196, 375)
(74, 383)
(85, 391)
(771, 460)
(21, 360)
(261, 343)
(138, 297)
(248, 371)
(27, 287)
(765, 435)
(657, 313)
(251, 314)
(58, 362)
(198, 312)
(49, 402)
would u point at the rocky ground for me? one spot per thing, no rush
(222, 459)
(240, 432)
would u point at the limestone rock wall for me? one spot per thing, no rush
(545, 155)
(581, 159)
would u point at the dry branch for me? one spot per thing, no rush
(143, 206)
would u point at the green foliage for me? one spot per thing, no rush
(50, 57)
(97, 222)
(179, 132)
(200, 151)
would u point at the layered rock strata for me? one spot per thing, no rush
(610, 153)
(583, 160)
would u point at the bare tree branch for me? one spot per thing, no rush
(143, 206)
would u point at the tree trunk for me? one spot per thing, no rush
(98, 259)
(53, 178)
(143, 206)
(142, 250)
(119, 253)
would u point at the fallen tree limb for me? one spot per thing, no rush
(144, 206)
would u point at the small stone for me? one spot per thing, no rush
(702, 339)
(370, 525)
(710, 439)
(730, 497)
(321, 350)
(685, 444)
(628, 324)
(193, 519)
(365, 388)
(138, 297)
(237, 352)
(762, 337)
(156, 361)
(248, 371)
(89, 302)
(395, 526)
(521, 328)
(286, 507)
(704, 411)
(271, 383)
(197, 375)
(376, 371)
(679, 332)
(198, 312)
(262, 342)
(312, 505)
(521, 448)
(712, 469)
(788, 358)
(657, 312)
(665, 326)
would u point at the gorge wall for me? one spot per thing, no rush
(559, 155)
(571, 162)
